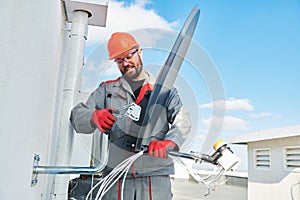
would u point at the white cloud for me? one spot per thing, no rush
(234, 123)
(265, 115)
(229, 105)
(143, 3)
(123, 17)
(229, 123)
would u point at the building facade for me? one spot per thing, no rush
(273, 163)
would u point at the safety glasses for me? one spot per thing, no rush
(126, 58)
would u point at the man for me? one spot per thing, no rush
(149, 175)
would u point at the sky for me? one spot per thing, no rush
(251, 48)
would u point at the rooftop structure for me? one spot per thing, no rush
(274, 163)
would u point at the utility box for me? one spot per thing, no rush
(274, 163)
(96, 8)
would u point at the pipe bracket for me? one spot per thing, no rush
(34, 177)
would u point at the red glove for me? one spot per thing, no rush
(159, 148)
(103, 119)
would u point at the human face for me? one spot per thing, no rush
(130, 64)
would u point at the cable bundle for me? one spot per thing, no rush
(119, 171)
(204, 180)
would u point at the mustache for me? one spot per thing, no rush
(127, 68)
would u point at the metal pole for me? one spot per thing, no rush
(72, 82)
(67, 169)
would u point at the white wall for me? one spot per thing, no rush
(30, 81)
(274, 183)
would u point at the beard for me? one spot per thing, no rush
(133, 72)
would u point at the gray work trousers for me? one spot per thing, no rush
(141, 188)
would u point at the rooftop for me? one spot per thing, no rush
(186, 190)
(268, 134)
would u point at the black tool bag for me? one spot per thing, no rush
(80, 187)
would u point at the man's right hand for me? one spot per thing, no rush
(103, 119)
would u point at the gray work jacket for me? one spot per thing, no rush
(174, 125)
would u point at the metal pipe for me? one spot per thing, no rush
(197, 156)
(100, 159)
(71, 85)
(67, 169)
(65, 140)
(180, 154)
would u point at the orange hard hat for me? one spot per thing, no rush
(119, 43)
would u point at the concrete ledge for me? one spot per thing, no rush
(239, 179)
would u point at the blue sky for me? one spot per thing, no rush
(254, 45)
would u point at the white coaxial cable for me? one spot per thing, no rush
(208, 183)
(120, 170)
(194, 174)
(108, 179)
(123, 183)
(100, 182)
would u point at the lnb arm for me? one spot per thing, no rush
(197, 156)
(223, 156)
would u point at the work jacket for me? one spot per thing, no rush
(173, 124)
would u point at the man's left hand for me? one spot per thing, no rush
(159, 148)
